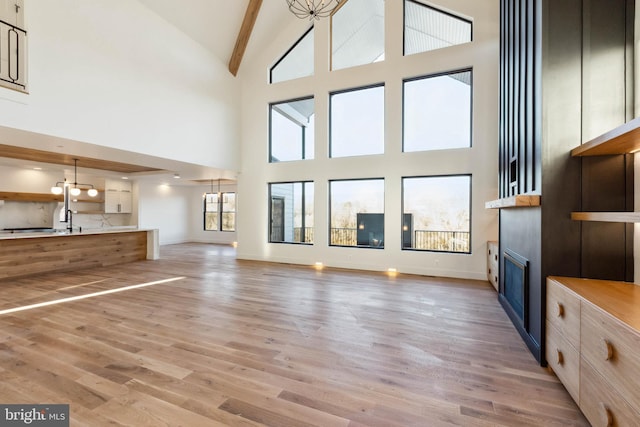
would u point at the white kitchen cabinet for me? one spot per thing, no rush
(117, 196)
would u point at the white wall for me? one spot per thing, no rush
(176, 211)
(112, 73)
(165, 208)
(480, 160)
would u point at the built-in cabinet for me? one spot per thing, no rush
(117, 196)
(493, 263)
(593, 337)
(622, 140)
(566, 76)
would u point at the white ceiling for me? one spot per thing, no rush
(212, 23)
(215, 23)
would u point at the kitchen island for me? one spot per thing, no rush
(23, 254)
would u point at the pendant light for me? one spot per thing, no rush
(76, 190)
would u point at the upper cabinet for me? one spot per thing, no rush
(117, 196)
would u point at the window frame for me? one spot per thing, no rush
(330, 204)
(219, 211)
(304, 145)
(303, 213)
(330, 119)
(444, 12)
(288, 51)
(428, 76)
(402, 213)
(223, 211)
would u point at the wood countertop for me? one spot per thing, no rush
(620, 299)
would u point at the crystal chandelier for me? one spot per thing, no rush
(313, 9)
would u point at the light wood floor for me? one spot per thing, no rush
(244, 344)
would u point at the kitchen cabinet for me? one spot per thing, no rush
(117, 196)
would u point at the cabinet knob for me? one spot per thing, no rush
(608, 350)
(607, 415)
(560, 310)
(560, 357)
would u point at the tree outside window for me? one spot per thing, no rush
(220, 211)
(357, 213)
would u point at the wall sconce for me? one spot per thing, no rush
(75, 190)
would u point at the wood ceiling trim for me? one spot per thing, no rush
(249, 20)
(42, 156)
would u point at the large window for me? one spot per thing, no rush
(357, 34)
(220, 211)
(291, 212)
(437, 112)
(357, 213)
(427, 28)
(437, 213)
(296, 62)
(292, 130)
(357, 122)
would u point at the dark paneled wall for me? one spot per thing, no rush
(565, 78)
(519, 87)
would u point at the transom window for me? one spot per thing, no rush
(427, 28)
(296, 62)
(437, 112)
(357, 34)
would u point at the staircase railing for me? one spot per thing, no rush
(13, 56)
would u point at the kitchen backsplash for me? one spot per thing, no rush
(27, 214)
(46, 214)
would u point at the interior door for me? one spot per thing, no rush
(277, 219)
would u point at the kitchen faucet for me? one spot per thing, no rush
(70, 226)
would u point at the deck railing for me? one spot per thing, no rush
(446, 241)
(428, 240)
(308, 235)
(13, 56)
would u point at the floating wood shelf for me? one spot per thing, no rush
(622, 140)
(606, 216)
(30, 197)
(519, 201)
(88, 200)
(88, 212)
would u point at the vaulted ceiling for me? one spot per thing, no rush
(216, 24)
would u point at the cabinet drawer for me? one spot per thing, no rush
(612, 349)
(564, 359)
(563, 312)
(601, 403)
(492, 263)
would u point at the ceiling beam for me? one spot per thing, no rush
(250, 17)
